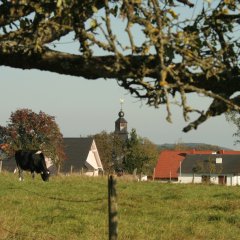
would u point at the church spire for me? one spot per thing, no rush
(121, 123)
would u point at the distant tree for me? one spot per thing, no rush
(203, 147)
(234, 117)
(152, 153)
(141, 154)
(208, 167)
(180, 145)
(3, 153)
(28, 130)
(199, 147)
(4, 148)
(111, 149)
(3, 131)
(117, 154)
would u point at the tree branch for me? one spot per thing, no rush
(186, 2)
(77, 65)
(216, 108)
(11, 12)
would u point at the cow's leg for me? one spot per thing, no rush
(20, 173)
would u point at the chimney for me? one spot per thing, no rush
(221, 151)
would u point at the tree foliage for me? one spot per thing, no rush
(181, 146)
(111, 148)
(28, 130)
(233, 117)
(3, 131)
(141, 154)
(117, 154)
(208, 166)
(161, 51)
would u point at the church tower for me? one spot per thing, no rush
(121, 124)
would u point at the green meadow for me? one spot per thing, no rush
(75, 207)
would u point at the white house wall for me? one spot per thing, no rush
(91, 160)
(231, 180)
(97, 157)
(188, 178)
(214, 179)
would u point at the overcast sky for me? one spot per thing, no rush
(84, 107)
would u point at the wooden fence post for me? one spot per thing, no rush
(112, 208)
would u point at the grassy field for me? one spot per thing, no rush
(76, 208)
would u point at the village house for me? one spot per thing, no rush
(169, 162)
(82, 157)
(211, 168)
(192, 166)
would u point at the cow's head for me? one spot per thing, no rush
(45, 175)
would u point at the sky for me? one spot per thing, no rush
(84, 107)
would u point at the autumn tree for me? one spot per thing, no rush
(28, 130)
(3, 131)
(4, 147)
(161, 51)
(141, 154)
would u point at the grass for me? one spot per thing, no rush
(75, 207)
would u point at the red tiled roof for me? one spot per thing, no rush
(169, 161)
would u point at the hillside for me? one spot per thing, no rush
(186, 146)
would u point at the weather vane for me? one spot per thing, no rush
(121, 102)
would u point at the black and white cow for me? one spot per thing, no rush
(33, 161)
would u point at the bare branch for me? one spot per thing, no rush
(216, 108)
